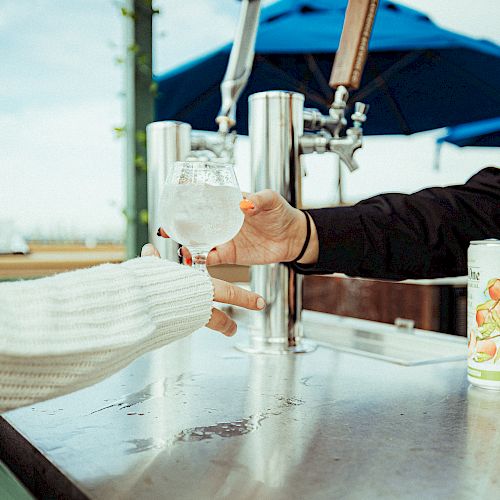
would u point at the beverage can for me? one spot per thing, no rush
(483, 314)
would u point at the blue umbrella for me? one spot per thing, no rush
(485, 133)
(417, 77)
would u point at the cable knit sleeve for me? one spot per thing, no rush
(68, 331)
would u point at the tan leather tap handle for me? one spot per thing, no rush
(353, 48)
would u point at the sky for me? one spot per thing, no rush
(61, 168)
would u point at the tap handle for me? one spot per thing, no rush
(360, 112)
(361, 107)
(240, 63)
(353, 48)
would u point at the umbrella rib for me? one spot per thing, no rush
(380, 83)
(311, 95)
(320, 78)
(398, 112)
(380, 79)
(187, 109)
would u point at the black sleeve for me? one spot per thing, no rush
(397, 236)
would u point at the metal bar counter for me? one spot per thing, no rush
(200, 420)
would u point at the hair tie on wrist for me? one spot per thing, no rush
(308, 237)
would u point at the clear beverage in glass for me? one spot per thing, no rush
(200, 206)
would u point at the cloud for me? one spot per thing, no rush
(63, 169)
(58, 104)
(58, 51)
(189, 34)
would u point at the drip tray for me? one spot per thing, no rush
(383, 341)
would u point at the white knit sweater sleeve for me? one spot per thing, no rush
(68, 331)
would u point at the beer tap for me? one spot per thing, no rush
(239, 65)
(170, 141)
(237, 73)
(330, 128)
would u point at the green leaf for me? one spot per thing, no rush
(143, 60)
(481, 357)
(496, 318)
(486, 305)
(490, 284)
(486, 329)
(143, 217)
(119, 132)
(140, 137)
(497, 356)
(127, 13)
(153, 88)
(140, 163)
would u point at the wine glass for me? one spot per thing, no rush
(200, 206)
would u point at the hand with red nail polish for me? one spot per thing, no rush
(161, 232)
(273, 231)
(224, 292)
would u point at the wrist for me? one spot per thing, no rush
(308, 255)
(311, 253)
(297, 231)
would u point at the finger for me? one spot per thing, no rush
(149, 250)
(214, 256)
(161, 232)
(258, 202)
(221, 322)
(228, 293)
(186, 256)
(246, 204)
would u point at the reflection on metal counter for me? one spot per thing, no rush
(198, 419)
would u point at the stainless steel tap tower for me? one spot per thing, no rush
(276, 123)
(276, 126)
(168, 141)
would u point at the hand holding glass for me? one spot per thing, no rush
(200, 206)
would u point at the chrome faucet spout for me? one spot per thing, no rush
(220, 145)
(346, 146)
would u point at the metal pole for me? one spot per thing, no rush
(140, 112)
(276, 125)
(167, 141)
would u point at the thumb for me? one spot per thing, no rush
(149, 250)
(256, 203)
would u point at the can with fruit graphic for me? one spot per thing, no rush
(483, 314)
